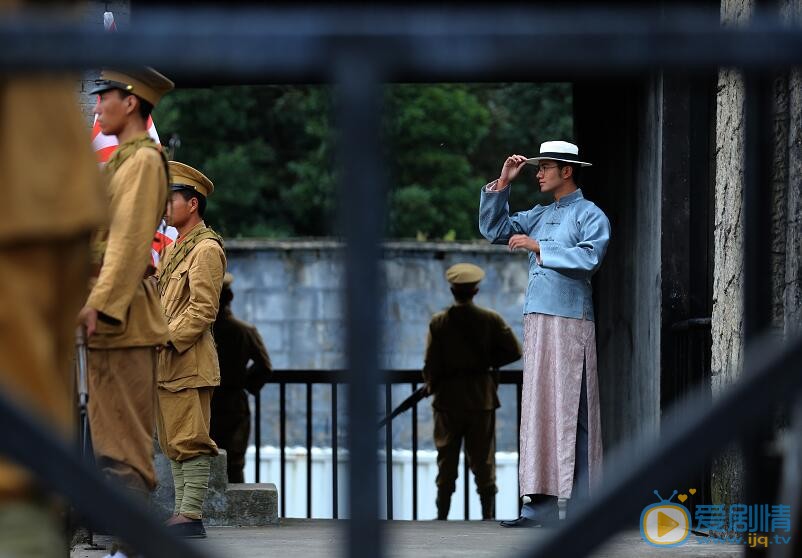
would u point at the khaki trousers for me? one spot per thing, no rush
(122, 414)
(43, 286)
(231, 428)
(478, 428)
(183, 423)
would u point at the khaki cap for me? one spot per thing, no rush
(183, 176)
(227, 280)
(145, 83)
(462, 273)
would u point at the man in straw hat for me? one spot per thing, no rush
(122, 315)
(561, 448)
(238, 343)
(465, 346)
(52, 201)
(190, 278)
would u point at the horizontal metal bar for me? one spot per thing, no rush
(300, 44)
(290, 376)
(692, 432)
(56, 465)
(693, 323)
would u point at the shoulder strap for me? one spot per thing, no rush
(181, 250)
(125, 151)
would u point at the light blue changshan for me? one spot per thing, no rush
(573, 234)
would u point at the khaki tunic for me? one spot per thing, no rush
(190, 301)
(52, 199)
(464, 343)
(237, 344)
(188, 367)
(49, 177)
(121, 359)
(126, 298)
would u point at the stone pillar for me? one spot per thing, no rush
(784, 186)
(727, 321)
(792, 297)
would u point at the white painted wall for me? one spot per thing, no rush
(506, 478)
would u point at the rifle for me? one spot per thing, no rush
(84, 438)
(83, 393)
(419, 394)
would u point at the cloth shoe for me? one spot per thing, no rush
(188, 530)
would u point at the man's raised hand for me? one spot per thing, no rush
(512, 166)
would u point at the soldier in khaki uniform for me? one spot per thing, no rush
(466, 343)
(52, 200)
(122, 315)
(190, 279)
(238, 343)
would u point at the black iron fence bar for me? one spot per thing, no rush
(59, 466)
(334, 378)
(282, 440)
(414, 418)
(518, 391)
(388, 448)
(309, 450)
(692, 432)
(335, 452)
(257, 434)
(692, 323)
(298, 45)
(339, 376)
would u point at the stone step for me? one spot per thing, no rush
(227, 505)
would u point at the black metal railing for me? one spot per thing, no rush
(692, 353)
(333, 379)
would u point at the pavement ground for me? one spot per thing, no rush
(414, 539)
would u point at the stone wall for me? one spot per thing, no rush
(291, 290)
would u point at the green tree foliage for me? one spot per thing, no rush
(270, 152)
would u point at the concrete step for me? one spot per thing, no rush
(227, 505)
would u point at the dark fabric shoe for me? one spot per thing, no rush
(521, 522)
(443, 503)
(188, 530)
(488, 505)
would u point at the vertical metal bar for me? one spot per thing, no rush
(465, 484)
(414, 456)
(518, 389)
(257, 433)
(335, 452)
(309, 450)
(388, 446)
(362, 218)
(282, 435)
(759, 486)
